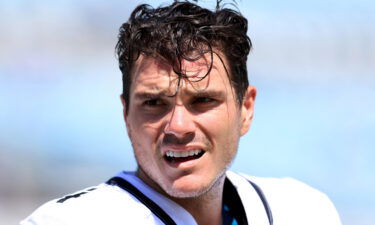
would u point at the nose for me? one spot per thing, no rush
(180, 128)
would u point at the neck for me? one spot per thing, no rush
(207, 208)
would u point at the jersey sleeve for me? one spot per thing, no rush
(45, 215)
(293, 202)
(105, 204)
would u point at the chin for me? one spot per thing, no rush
(193, 188)
(186, 193)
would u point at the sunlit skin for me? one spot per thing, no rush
(203, 115)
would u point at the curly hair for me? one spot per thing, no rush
(172, 33)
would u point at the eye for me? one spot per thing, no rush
(153, 102)
(203, 100)
(206, 102)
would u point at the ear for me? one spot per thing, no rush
(124, 109)
(247, 109)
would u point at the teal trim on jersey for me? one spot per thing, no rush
(228, 218)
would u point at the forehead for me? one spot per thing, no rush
(205, 73)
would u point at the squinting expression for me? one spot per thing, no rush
(184, 138)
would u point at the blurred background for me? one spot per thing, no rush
(61, 126)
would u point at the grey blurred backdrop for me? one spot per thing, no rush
(61, 126)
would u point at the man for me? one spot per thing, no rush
(187, 102)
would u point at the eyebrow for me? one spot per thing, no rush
(163, 93)
(205, 93)
(150, 94)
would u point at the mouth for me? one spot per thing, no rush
(183, 156)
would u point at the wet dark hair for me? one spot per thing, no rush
(185, 31)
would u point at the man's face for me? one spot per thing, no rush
(184, 141)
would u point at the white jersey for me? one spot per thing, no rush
(127, 200)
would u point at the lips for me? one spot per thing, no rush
(182, 156)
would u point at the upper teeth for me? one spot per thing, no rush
(178, 154)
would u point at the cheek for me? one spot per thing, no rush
(225, 130)
(143, 146)
(144, 135)
(221, 123)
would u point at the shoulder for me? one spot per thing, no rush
(102, 204)
(294, 202)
